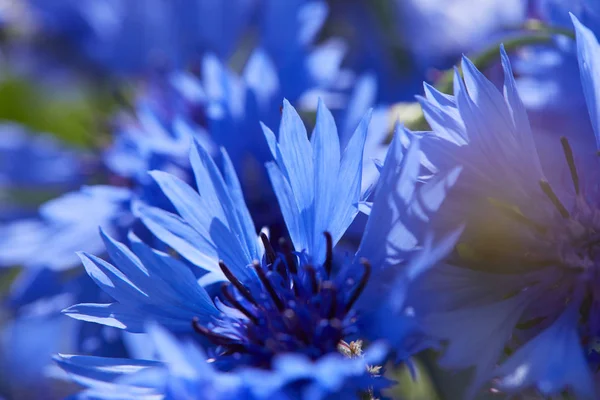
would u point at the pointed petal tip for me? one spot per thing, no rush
(465, 60)
(107, 239)
(132, 237)
(322, 109)
(102, 232)
(68, 310)
(504, 56)
(224, 152)
(457, 76)
(83, 256)
(580, 28)
(320, 102)
(155, 173)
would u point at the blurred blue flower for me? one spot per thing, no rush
(436, 32)
(288, 33)
(135, 36)
(406, 42)
(125, 38)
(548, 80)
(524, 276)
(64, 225)
(557, 12)
(24, 358)
(156, 135)
(33, 329)
(35, 168)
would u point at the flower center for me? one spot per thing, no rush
(291, 306)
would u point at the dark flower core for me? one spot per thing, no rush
(291, 307)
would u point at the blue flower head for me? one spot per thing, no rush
(284, 311)
(529, 284)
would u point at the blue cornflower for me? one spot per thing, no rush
(286, 314)
(164, 124)
(523, 279)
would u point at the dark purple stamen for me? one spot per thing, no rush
(328, 286)
(571, 161)
(235, 303)
(282, 270)
(270, 255)
(290, 259)
(268, 286)
(294, 325)
(291, 307)
(238, 285)
(327, 265)
(361, 285)
(312, 275)
(547, 189)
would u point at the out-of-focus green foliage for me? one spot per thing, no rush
(421, 388)
(7, 277)
(78, 118)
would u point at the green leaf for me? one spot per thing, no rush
(76, 115)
